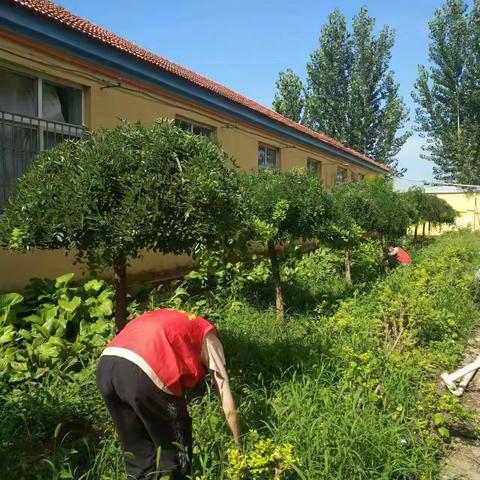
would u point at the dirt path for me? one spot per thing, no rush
(463, 463)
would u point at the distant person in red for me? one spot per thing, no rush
(142, 375)
(399, 254)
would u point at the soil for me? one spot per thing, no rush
(463, 462)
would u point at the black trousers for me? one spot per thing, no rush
(154, 428)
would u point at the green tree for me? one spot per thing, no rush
(379, 208)
(124, 190)
(328, 80)
(285, 205)
(366, 208)
(289, 96)
(351, 92)
(345, 233)
(438, 211)
(447, 93)
(416, 201)
(426, 208)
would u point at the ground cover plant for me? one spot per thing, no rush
(348, 393)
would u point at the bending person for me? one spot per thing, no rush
(143, 374)
(399, 254)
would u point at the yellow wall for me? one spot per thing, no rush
(104, 107)
(468, 207)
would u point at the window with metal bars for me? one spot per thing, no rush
(35, 114)
(194, 128)
(267, 157)
(314, 167)
(342, 175)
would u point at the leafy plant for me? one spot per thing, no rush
(57, 325)
(262, 460)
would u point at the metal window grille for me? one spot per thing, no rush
(21, 138)
(267, 158)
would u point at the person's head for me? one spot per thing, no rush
(391, 247)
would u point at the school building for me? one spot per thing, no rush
(61, 74)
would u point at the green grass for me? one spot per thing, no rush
(353, 391)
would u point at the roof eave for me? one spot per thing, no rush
(22, 22)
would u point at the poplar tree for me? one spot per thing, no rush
(289, 98)
(351, 92)
(447, 93)
(328, 80)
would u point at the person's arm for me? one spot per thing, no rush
(393, 252)
(228, 405)
(214, 359)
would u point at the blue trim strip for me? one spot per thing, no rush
(22, 22)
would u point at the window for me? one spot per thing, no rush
(342, 175)
(35, 114)
(360, 177)
(314, 167)
(194, 128)
(267, 157)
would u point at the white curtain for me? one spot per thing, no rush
(17, 94)
(52, 108)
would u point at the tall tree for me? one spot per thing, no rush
(376, 110)
(328, 74)
(289, 98)
(351, 93)
(447, 93)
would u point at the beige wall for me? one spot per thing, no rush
(104, 107)
(468, 207)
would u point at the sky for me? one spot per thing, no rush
(245, 44)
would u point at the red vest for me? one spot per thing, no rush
(403, 256)
(170, 342)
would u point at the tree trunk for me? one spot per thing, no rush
(348, 264)
(415, 233)
(429, 227)
(276, 281)
(120, 281)
(423, 234)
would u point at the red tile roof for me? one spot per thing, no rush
(61, 15)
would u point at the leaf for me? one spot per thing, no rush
(70, 305)
(7, 302)
(56, 341)
(438, 419)
(8, 335)
(94, 285)
(444, 432)
(34, 319)
(45, 352)
(98, 341)
(49, 313)
(25, 334)
(20, 376)
(99, 326)
(64, 280)
(57, 430)
(51, 325)
(9, 299)
(19, 366)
